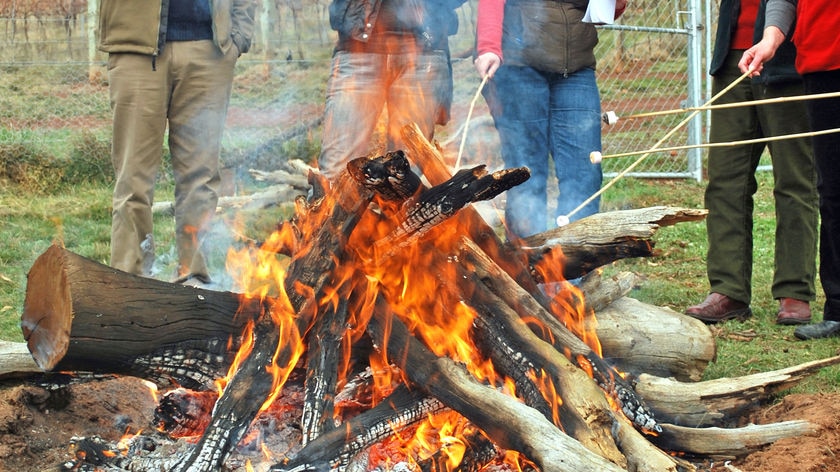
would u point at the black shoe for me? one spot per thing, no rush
(823, 329)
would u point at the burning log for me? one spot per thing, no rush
(508, 422)
(336, 447)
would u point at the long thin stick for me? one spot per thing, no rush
(659, 143)
(765, 101)
(726, 143)
(467, 122)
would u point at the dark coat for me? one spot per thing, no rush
(777, 70)
(356, 19)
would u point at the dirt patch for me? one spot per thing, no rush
(36, 425)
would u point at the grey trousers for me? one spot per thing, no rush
(732, 185)
(187, 89)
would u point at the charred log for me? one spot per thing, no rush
(558, 334)
(335, 449)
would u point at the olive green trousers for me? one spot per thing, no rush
(732, 185)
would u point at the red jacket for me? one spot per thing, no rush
(816, 36)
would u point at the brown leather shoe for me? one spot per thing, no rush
(793, 312)
(716, 308)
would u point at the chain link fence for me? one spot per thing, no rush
(54, 94)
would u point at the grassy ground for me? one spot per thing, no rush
(674, 277)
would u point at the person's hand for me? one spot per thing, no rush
(754, 58)
(487, 63)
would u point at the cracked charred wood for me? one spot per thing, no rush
(323, 355)
(508, 361)
(275, 350)
(390, 176)
(241, 399)
(422, 209)
(584, 412)
(720, 402)
(582, 415)
(564, 340)
(183, 412)
(602, 238)
(82, 316)
(335, 449)
(505, 420)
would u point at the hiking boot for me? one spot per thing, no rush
(717, 307)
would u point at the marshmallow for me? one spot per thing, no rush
(562, 220)
(595, 157)
(610, 117)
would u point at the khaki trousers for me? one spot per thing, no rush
(732, 185)
(187, 89)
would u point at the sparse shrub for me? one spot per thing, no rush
(29, 168)
(89, 161)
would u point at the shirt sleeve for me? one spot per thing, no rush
(491, 14)
(781, 14)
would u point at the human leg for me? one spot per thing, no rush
(575, 131)
(730, 190)
(354, 101)
(415, 92)
(518, 101)
(202, 79)
(795, 194)
(138, 96)
(825, 114)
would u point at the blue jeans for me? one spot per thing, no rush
(413, 85)
(538, 114)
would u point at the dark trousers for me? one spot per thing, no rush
(825, 114)
(732, 186)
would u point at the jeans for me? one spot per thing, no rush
(537, 115)
(413, 85)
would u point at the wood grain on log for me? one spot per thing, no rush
(642, 338)
(717, 402)
(80, 315)
(599, 239)
(729, 443)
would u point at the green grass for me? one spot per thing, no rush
(676, 278)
